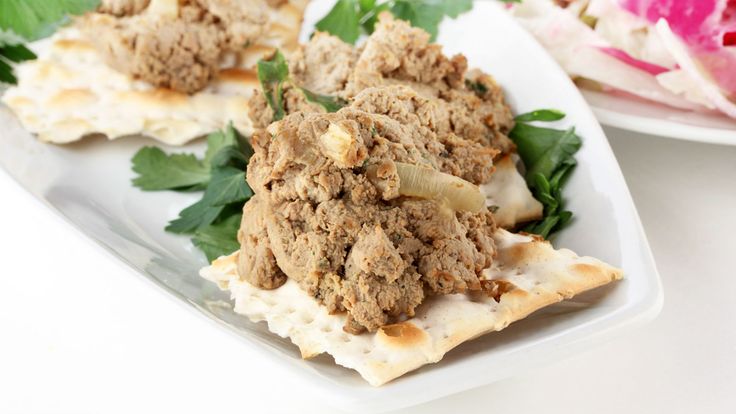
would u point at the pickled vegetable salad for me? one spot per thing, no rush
(679, 53)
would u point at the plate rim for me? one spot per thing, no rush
(653, 127)
(658, 127)
(643, 309)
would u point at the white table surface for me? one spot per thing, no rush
(80, 333)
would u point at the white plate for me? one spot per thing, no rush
(89, 184)
(639, 115)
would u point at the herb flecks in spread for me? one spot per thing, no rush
(375, 207)
(330, 213)
(213, 221)
(273, 74)
(362, 211)
(456, 119)
(397, 54)
(180, 45)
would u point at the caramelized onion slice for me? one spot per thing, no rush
(460, 195)
(163, 8)
(339, 145)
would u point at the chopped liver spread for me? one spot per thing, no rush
(174, 44)
(329, 213)
(122, 7)
(331, 209)
(465, 103)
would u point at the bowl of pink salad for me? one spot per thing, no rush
(676, 56)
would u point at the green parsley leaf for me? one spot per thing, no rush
(194, 217)
(212, 221)
(545, 115)
(227, 186)
(159, 171)
(228, 147)
(16, 53)
(343, 20)
(330, 103)
(34, 19)
(274, 77)
(184, 172)
(548, 155)
(11, 50)
(419, 14)
(544, 227)
(229, 156)
(219, 239)
(455, 8)
(346, 19)
(544, 149)
(8, 37)
(218, 141)
(560, 147)
(28, 20)
(369, 12)
(478, 88)
(272, 73)
(213, 205)
(6, 73)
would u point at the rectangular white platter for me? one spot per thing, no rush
(88, 184)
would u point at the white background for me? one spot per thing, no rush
(80, 333)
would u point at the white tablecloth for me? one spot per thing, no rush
(79, 333)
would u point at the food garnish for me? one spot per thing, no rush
(548, 156)
(273, 74)
(212, 221)
(24, 21)
(677, 53)
(460, 195)
(349, 18)
(170, 70)
(546, 152)
(370, 195)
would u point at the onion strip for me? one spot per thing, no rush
(460, 195)
(163, 8)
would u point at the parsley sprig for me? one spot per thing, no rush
(548, 155)
(349, 18)
(213, 221)
(273, 74)
(24, 21)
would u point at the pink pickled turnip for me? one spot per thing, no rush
(729, 39)
(706, 27)
(695, 70)
(696, 22)
(580, 52)
(621, 55)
